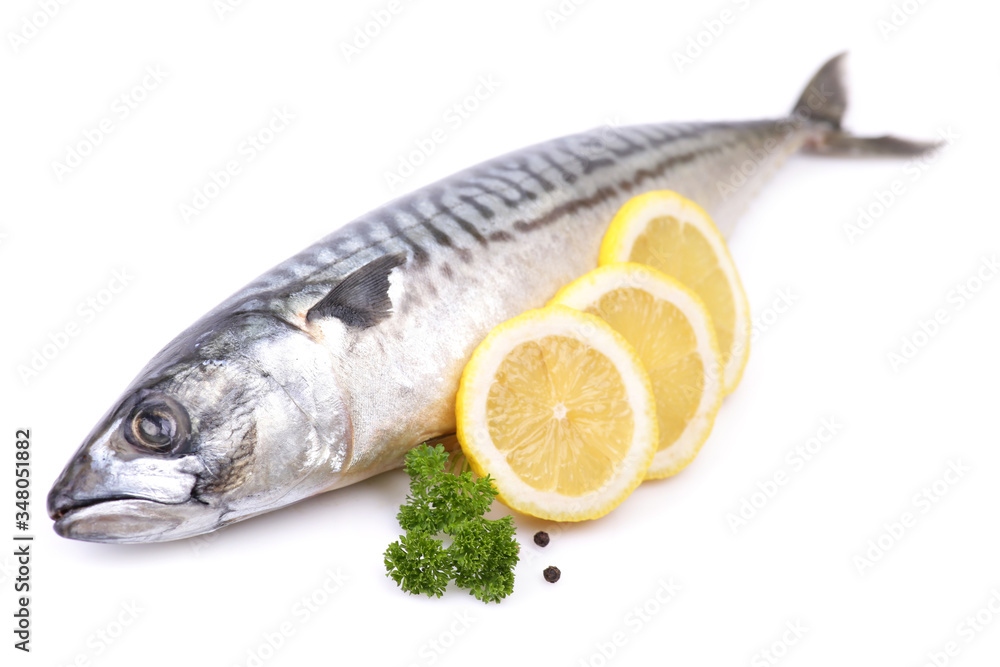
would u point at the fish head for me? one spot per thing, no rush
(233, 418)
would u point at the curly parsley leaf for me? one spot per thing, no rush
(418, 563)
(483, 552)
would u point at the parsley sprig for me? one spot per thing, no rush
(482, 553)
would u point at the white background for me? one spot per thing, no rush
(795, 561)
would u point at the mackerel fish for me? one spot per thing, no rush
(330, 367)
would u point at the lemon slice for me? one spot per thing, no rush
(676, 236)
(556, 407)
(671, 331)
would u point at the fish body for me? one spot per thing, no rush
(330, 367)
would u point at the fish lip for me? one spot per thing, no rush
(89, 520)
(63, 506)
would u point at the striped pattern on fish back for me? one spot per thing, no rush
(498, 201)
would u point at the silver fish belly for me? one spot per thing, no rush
(331, 366)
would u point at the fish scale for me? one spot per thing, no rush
(329, 368)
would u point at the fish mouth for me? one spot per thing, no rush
(62, 505)
(126, 519)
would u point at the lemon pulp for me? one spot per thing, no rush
(558, 412)
(682, 251)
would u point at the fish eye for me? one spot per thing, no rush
(157, 424)
(154, 428)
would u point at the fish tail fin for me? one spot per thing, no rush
(824, 101)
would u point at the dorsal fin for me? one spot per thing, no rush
(361, 299)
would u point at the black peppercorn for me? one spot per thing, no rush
(551, 574)
(542, 538)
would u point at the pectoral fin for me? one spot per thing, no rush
(361, 299)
